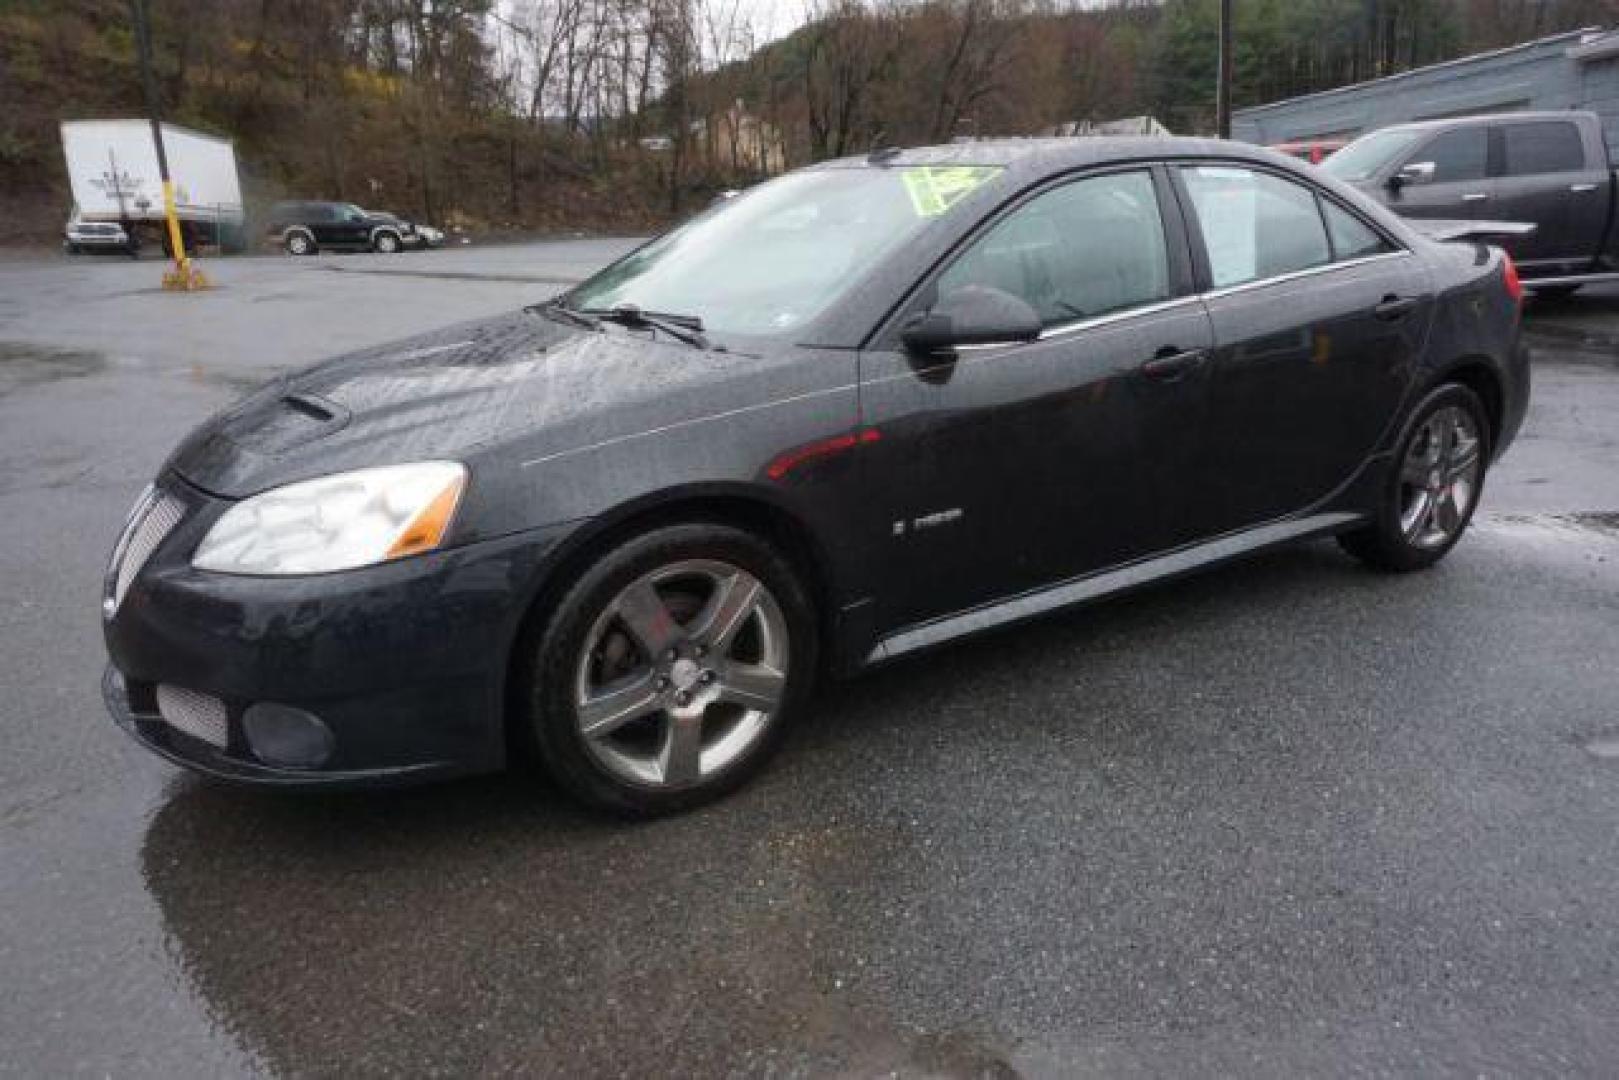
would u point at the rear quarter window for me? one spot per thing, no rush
(1552, 146)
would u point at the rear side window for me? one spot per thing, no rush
(1551, 146)
(1457, 156)
(1351, 237)
(1084, 249)
(1255, 225)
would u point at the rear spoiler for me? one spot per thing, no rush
(1445, 231)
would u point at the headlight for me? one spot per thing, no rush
(336, 522)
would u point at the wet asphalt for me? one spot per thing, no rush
(1286, 817)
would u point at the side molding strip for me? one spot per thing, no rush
(1078, 590)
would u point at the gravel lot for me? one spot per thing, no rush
(1287, 816)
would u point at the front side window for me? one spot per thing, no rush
(1255, 225)
(1458, 156)
(1551, 146)
(1087, 248)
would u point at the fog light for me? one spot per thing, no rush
(282, 735)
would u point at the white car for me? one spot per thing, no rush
(81, 236)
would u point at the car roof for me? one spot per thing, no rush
(1037, 155)
(1488, 118)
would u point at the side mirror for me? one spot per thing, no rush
(972, 315)
(1418, 172)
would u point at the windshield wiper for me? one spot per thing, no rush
(687, 328)
(562, 313)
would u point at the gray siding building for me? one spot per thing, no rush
(1578, 70)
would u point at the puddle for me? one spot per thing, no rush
(24, 366)
(459, 275)
(1573, 344)
(1605, 746)
(1600, 524)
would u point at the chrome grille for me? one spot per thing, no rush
(198, 715)
(147, 528)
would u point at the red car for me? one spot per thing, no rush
(1315, 151)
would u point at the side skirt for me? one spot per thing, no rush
(1094, 587)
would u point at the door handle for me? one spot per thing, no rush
(1581, 189)
(1394, 308)
(1475, 196)
(1170, 364)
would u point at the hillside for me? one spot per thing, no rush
(537, 113)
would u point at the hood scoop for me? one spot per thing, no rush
(292, 421)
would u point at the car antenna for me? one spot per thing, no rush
(879, 153)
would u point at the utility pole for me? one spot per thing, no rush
(1222, 106)
(181, 276)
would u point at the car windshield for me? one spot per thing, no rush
(1366, 156)
(772, 258)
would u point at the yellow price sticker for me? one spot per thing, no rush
(935, 189)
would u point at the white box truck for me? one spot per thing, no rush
(118, 192)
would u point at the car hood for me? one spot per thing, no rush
(523, 384)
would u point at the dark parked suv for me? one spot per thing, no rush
(303, 228)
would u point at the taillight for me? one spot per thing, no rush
(1509, 276)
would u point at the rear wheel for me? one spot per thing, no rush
(299, 242)
(1434, 487)
(671, 670)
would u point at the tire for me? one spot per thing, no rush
(385, 243)
(1433, 486)
(1554, 292)
(687, 738)
(299, 242)
(73, 249)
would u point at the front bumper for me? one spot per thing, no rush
(150, 730)
(118, 240)
(404, 663)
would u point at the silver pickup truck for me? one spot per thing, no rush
(1551, 170)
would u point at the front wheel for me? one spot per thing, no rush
(386, 243)
(1434, 486)
(671, 670)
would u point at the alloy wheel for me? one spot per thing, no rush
(681, 674)
(1439, 478)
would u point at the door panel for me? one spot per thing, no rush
(323, 221)
(1006, 469)
(1460, 189)
(1318, 321)
(1308, 376)
(1543, 178)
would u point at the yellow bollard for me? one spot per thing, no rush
(182, 277)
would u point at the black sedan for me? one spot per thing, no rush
(852, 413)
